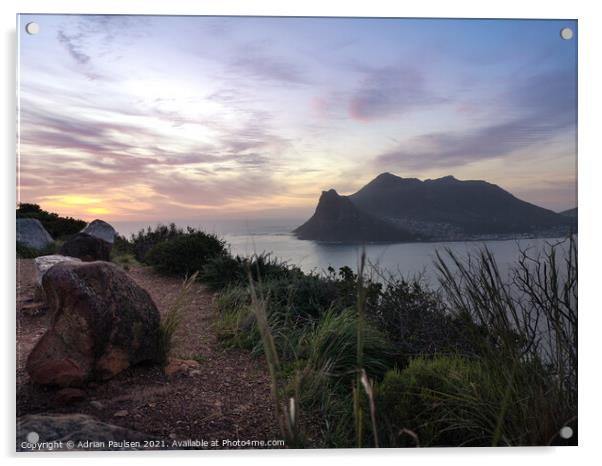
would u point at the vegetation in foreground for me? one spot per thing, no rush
(359, 359)
(58, 227)
(355, 361)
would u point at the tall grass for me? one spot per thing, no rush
(529, 342)
(285, 413)
(359, 351)
(172, 320)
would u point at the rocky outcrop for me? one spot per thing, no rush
(87, 248)
(337, 219)
(103, 322)
(32, 234)
(42, 432)
(101, 230)
(42, 264)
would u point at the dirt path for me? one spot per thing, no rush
(228, 397)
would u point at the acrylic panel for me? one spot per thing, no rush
(295, 232)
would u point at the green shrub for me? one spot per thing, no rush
(418, 322)
(143, 241)
(25, 252)
(441, 400)
(122, 247)
(224, 270)
(331, 346)
(124, 260)
(236, 326)
(299, 299)
(185, 254)
(346, 281)
(122, 253)
(57, 226)
(292, 305)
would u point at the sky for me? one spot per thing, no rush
(163, 118)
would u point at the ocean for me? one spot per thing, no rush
(246, 237)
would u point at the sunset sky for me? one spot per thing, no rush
(161, 118)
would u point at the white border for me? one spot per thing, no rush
(590, 234)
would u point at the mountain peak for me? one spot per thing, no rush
(387, 176)
(330, 193)
(394, 208)
(337, 219)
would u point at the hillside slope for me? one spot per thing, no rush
(391, 208)
(337, 219)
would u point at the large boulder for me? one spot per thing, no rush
(42, 264)
(101, 230)
(43, 432)
(32, 234)
(87, 248)
(103, 322)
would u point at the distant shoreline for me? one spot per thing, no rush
(442, 240)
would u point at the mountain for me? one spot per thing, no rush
(391, 208)
(569, 213)
(337, 219)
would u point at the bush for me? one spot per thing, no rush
(294, 301)
(144, 240)
(418, 323)
(25, 252)
(57, 226)
(121, 246)
(440, 400)
(224, 270)
(290, 308)
(347, 286)
(299, 299)
(328, 350)
(236, 324)
(185, 254)
(122, 253)
(124, 260)
(458, 401)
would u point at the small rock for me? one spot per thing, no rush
(34, 309)
(96, 404)
(179, 367)
(122, 413)
(68, 396)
